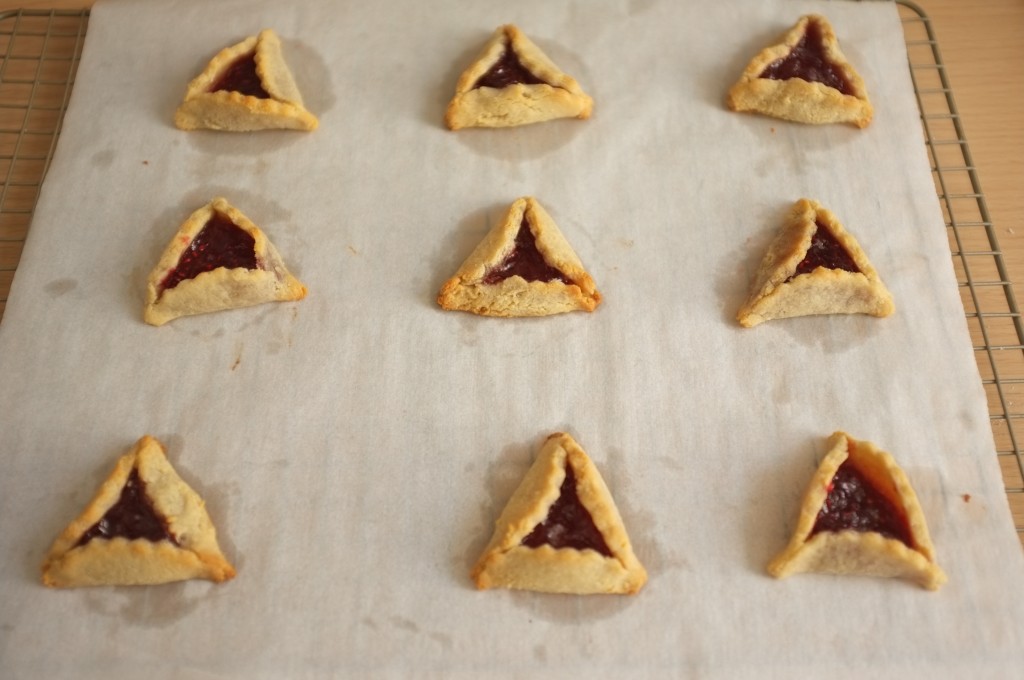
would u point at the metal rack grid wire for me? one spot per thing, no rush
(40, 55)
(985, 288)
(41, 51)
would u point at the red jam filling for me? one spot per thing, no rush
(241, 76)
(808, 61)
(508, 70)
(825, 251)
(132, 516)
(221, 243)
(525, 261)
(852, 503)
(568, 524)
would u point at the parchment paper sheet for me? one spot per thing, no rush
(355, 448)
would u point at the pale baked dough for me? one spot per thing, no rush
(864, 553)
(514, 296)
(560, 96)
(507, 563)
(220, 288)
(776, 293)
(796, 99)
(120, 561)
(236, 112)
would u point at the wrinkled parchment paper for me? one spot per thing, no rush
(355, 448)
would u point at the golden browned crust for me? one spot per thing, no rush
(120, 561)
(859, 552)
(236, 112)
(514, 296)
(776, 293)
(220, 288)
(520, 104)
(795, 98)
(507, 563)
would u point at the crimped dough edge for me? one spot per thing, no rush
(236, 112)
(120, 561)
(218, 289)
(514, 296)
(856, 552)
(506, 563)
(796, 99)
(822, 291)
(520, 104)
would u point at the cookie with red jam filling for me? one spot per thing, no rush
(245, 87)
(860, 516)
(144, 527)
(561, 532)
(514, 83)
(523, 267)
(217, 260)
(806, 78)
(814, 266)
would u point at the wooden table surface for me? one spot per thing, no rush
(982, 46)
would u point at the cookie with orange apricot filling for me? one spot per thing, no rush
(217, 260)
(806, 78)
(245, 87)
(561, 532)
(814, 266)
(860, 516)
(514, 83)
(145, 526)
(523, 267)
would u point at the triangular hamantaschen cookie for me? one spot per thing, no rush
(523, 267)
(860, 516)
(145, 526)
(814, 266)
(561, 531)
(514, 83)
(247, 86)
(217, 260)
(806, 78)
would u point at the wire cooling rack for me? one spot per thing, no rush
(985, 288)
(41, 52)
(37, 71)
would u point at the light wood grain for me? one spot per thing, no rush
(982, 49)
